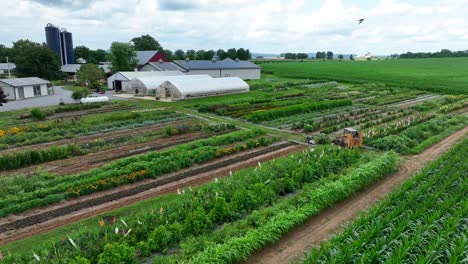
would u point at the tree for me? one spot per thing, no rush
(179, 54)
(242, 54)
(190, 54)
(2, 97)
(340, 56)
(232, 53)
(221, 54)
(209, 54)
(80, 93)
(318, 55)
(329, 55)
(83, 52)
(98, 55)
(200, 55)
(351, 57)
(89, 73)
(35, 60)
(146, 42)
(302, 56)
(168, 54)
(122, 57)
(4, 52)
(249, 55)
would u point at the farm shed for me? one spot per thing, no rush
(178, 89)
(72, 69)
(21, 88)
(7, 67)
(245, 70)
(120, 81)
(150, 85)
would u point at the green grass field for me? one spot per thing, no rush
(444, 75)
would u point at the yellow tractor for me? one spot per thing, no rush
(349, 139)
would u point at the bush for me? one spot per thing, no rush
(37, 114)
(80, 93)
(115, 253)
(159, 239)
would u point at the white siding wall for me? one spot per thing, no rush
(28, 92)
(147, 68)
(44, 90)
(212, 73)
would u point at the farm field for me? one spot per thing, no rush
(210, 180)
(442, 75)
(422, 221)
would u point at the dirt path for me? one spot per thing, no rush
(204, 174)
(329, 221)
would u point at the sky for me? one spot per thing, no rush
(266, 26)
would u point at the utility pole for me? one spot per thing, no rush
(8, 67)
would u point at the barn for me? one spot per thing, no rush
(245, 70)
(120, 81)
(21, 88)
(178, 89)
(146, 56)
(150, 85)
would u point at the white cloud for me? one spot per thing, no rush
(263, 26)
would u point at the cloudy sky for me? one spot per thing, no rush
(273, 26)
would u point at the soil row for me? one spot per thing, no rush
(129, 191)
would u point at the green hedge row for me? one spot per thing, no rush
(295, 109)
(30, 157)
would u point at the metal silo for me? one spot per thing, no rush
(68, 56)
(53, 39)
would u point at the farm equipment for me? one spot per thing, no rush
(349, 139)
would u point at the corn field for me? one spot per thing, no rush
(423, 221)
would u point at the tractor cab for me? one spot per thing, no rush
(350, 138)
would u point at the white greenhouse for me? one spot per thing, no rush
(178, 89)
(120, 81)
(150, 85)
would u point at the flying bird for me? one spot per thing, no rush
(360, 21)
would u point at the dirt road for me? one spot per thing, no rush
(329, 221)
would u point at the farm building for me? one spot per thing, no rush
(21, 88)
(5, 67)
(120, 81)
(71, 69)
(150, 84)
(146, 56)
(178, 89)
(245, 70)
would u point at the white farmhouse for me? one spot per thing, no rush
(21, 88)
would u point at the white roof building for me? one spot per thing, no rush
(120, 81)
(21, 88)
(178, 89)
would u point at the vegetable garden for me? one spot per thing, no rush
(423, 221)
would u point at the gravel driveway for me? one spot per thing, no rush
(43, 101)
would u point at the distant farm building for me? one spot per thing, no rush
(21, 88)
(144, 57)
(245, 70)
(4, 67)
(120, 81)
(72, 69)
(178, 89)
(150, 84)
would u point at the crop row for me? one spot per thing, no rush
(49, 190)
(278, 221)
(55, 130)
(199, 211)
(415, 139)
(423, 221)
(271, 114)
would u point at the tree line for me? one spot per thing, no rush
(444, 53)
